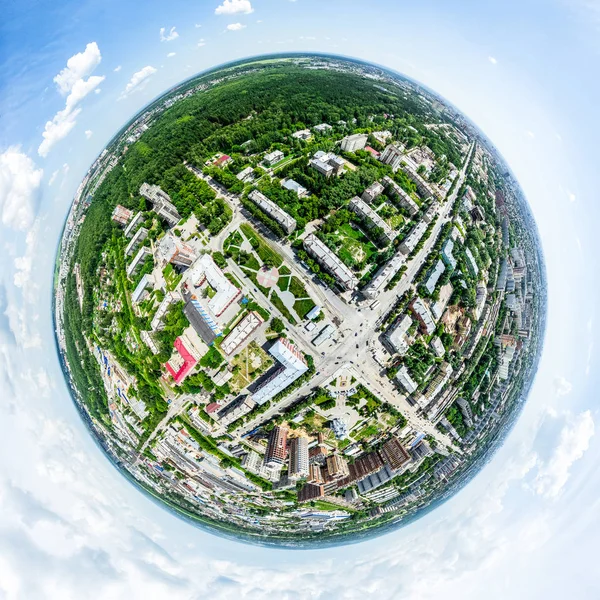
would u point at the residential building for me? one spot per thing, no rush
(409, 243)
(352, 143)
(201, 320)
(298, 466)
(465, 409)
(137, 220)
(310, 491)
(138, 260)
(480, 300)
(277, 447)
(392, 156)
(182, 361)
(403, 198)
(321, 159)
(437, 347)
(397, 336)
(222, 161)
(330, 262)
(423, 316)
(246, 174)
(362, 467)
(394, 454)
(405, 380)
(149, 341)
(363, 210)
(141, 290)
(382, 136)
(372, 152)
(293, 186)
(434, 276)
(447, 256)
(436, 385)
(252, 462)
(235, 409)
(420, 451)
(292, 366)
(337, 467)
(121, 215)
(241, 332)
(439, 306)
(161, 203)
(303, 134)
(273, 157)
(315, 474)
(163, 307)
(430, 212)
(205, 270)
(172, 250)
(375, 480)
(471, 263)
(424, 188)
(287, 222)
(140, 235)
(384, 275)
(322, 128)
(372, 192)
(322, 167)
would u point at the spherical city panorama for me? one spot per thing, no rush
(300, 300)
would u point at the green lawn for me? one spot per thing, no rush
(303, 307)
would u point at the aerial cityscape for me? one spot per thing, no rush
(299, 299)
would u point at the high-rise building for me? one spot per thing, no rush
(391, 156)
(298, 458)
(352, 143)
(337, 467)
(277, 447)
(292, 366)
(394, 454)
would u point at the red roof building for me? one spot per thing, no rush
(222, 160)
(372, 151)
(212, 407)
(182, 363)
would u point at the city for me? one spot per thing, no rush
(312, 335)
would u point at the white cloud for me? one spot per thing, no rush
(197, 25)
(235, 27)
(19, 188)
(138, 81)
(168, 36)
(562, 387)
(88, 134)
(201, 43)
(171, 54)
(574, 441)
(78, 66)
(72, 82)
(493, 60)
(117, 69)
(234, 7)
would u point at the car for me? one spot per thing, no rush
(355, 333)
(357, 347)
(322, 353)
(337, 362)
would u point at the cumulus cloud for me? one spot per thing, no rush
(75, 82)
(88, 133)
(19, 189)
(168, 36)
(573, 442)
(171, 54)
(117, 69)
(234, 7)
(562, 387)
(201, 43)
(235, 27)
(138, 81)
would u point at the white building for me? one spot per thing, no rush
(273, 157)
(434, 276)
(275, 212)
(293, 186)
(392, 156)
(161, 203)
(398, 336)
(384, 275)
(298, 453)
(403, 198)
(139, 217)
(409, 243)
(352, 143)
(372, 192)
(322, 127)
(423, 315)
(140, 235)
(303, 134)
(405, 380)
(292, 366)
(324, 335)
(138, 260)
(241, 332)
(172, 250)
(205, 269)
(163, 307)
(363, 210)
(141, 290)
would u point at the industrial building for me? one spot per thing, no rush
(292, 366)
(330, 262)
(275, 212)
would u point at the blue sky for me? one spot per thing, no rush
(525, 72)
